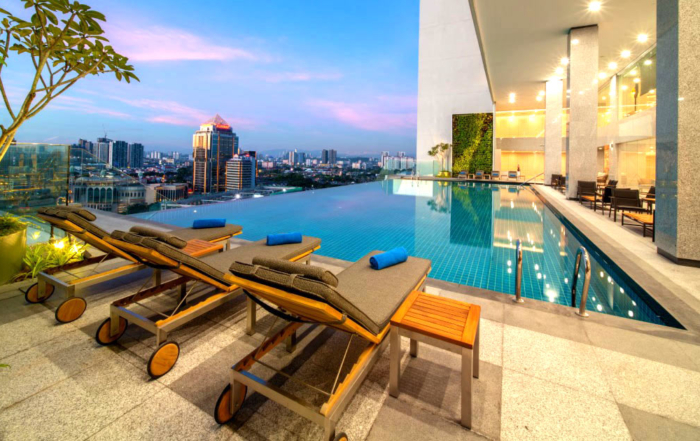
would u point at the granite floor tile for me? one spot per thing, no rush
(16, 308)
(569, 328)
(645, 426)
(23, 334)
(165, 415)
(44, 365)
(653, 387)
(535, 409)
(80, 405)
(558, 360)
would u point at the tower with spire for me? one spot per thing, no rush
(213, 144)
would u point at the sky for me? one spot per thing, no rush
(286, 74)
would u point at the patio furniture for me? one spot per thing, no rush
(512, 175)
(210, 271)
(650, 198)
(91, 227)
(601, 180)
(604, 199)
(586, 192)
(554, 182)
(444, 323)
(361, 304)
(495, 175)
(645, 220)
(625, 199)
(479, 174)
(462, 175)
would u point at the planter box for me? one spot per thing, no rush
(12, 248)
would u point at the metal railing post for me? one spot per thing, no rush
(581, 254)
(518, 271)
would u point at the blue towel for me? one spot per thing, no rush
(390, 258)
(209, 223)
(283, 238)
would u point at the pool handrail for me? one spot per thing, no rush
(518, 272)
(581, 253)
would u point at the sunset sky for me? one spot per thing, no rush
(285, 74)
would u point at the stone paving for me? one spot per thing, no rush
(545, 374)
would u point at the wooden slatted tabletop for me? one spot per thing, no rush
(445, 319)
(198, 247)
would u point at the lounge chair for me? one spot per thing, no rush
(512, 175)
(645, 220)
(587, 193)
(361, 303)
(602, 180)
(495, 175)
(210, 271)
(462, 175)
(554, 182)
(479, 174)
(92, 227)
(625, 200)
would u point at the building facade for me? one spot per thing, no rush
(240, 173)
(213, 145)
(136, 155)
(119, 154)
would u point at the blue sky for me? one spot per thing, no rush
(285, 74)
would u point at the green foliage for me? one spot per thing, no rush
(472, 136)
(10, 224)
(439, 152)
(42, 256)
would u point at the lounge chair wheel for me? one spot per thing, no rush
(341, 437)
(102, 335)
(71, 309)
(222, 412)
(163, 359)
(32, 294)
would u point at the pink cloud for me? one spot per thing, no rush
(159, 43)
(379, 116)
(301, 76)
(83, 105)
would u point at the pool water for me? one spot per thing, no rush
(467, 230)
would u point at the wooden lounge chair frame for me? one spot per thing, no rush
(166, 353)
(309, 311)
(74, 305)
(640, 219)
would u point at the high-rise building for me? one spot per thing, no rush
(102, 149)
(213, 145)
(324, 156)
(401, 154)
(332, 156)
(86, 145)
(253, 155)
(136, 155)
(383, 159)
(296, 157)
(119, 154)
(240, 173)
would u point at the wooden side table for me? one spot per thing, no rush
(199, 248)
(444, 323)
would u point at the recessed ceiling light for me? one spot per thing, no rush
(625, 54)
(511, 97)
(565, 61)
(559, 71)
(541, 93)
(647, 63)
(574, 41)
(624, 88)
(612, 65)
(539, 98)
(594, 6)
(602, 75)
(634, 72)
(636, 80)
(642, 38)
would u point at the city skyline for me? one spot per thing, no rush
(284, 79)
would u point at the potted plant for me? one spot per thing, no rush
(13, 242)
(439, 152)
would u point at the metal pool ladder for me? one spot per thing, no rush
(518, 271)
(581, 254)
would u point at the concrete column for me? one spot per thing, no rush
(615, 111)
(583, 107)
(677, 131)
(552, 129)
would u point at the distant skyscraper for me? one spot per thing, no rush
(102, 149)
(119, 154)
(253, 155)
(332, 156)
(240, 173)
(136, 155)
(213, 145)
(383, 159)
(86, 145)
(296, 157)
(401, 154)
(324, 156)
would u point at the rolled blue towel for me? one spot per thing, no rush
(283, 238)
(209, 223)
(390, 258)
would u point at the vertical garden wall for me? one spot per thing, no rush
(472, 142)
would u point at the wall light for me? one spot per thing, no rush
(511, 97)
(539, 98)
(602, 75)
(565, 61)
(612, 65)
(559, 71)
(647, 63)
(636, 80)
(642, 38)
(594, 6)
(541, 93)
(574, 41)
(625, 54)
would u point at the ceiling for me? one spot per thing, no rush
(524, 41)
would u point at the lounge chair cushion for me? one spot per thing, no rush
(208, 234)
(367, 296)
(310, 271)
(163, 236)
(61, 211)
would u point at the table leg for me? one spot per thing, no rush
(467, 364)
(394, 361)
(414, 348)
(475, 372)
(251, 309)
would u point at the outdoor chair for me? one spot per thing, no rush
(554, 182)
(210, 271)
(645, 220)
(479, 174)
(604, 199)
(513, 175)
(602, 180)
(586, 193)
(360, 301)
(462, 175)
(625, 200)
(91, 227)
(495, 175)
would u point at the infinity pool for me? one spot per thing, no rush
(467, 230)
